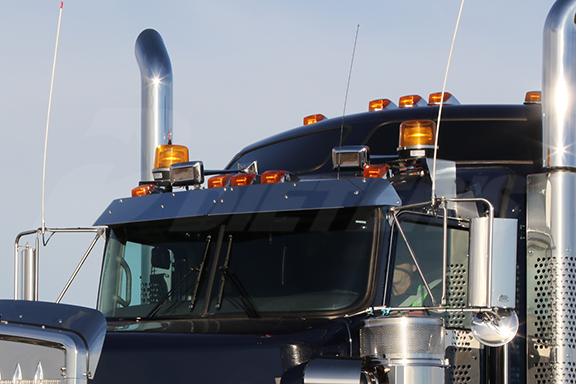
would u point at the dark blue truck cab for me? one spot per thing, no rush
(256, 283)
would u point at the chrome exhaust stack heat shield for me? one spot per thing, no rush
(156, 76)
(411, 349)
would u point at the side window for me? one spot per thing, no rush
(146, 275)
(424, 235)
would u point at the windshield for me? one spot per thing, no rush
(250, 265)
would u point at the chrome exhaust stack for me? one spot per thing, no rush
(551, 214)
(559, 87)
(156, 76)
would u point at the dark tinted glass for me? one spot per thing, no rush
(311, 261)
(470, 140)
(297, 155)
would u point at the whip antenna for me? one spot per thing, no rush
(48, 121)
(442, 103)
(346, 95)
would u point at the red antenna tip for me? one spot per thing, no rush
(61, 4)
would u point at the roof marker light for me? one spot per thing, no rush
(376, 171)
(143, 190)
(219, 181)
(313, 119)
(242, 179)
(411, 101)
(272, 177)
(449, 99)
(533, 97)
(380, 104)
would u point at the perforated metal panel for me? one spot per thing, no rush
(551, 279)
(456, 295)
(563, 318)
(539, 313)
(465, 355)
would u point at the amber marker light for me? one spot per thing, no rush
(378, 105)
(410, 101)
(170, 154)
(242, 179)
(143, 190)
(272, 177)
(417, 133)
(376, 171)
(219, 181)
(313, 119)
(436, 98)
(533, 97)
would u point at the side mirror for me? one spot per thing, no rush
(492, 279)
(492, 272)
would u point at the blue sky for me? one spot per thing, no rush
(242, 71)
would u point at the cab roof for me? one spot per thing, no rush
(468, 133)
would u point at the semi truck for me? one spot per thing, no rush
(426, 241)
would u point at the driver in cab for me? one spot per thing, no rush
(408, 290)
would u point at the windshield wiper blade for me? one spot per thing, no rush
(223, 268)
(182, 280)
(200, 273)
(249, 306)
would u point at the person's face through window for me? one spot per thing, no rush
(402, 278)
